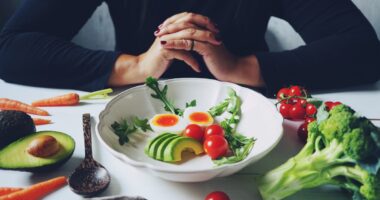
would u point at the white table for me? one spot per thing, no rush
(128, 180)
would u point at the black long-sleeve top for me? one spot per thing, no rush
(342, 48)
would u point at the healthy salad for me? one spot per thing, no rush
(190, 130)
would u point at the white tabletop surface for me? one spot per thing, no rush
(127, 180)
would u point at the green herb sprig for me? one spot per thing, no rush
(125, 128)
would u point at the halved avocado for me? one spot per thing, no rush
(15, 156)
(162, 146)
(154, 147)
(173, 152)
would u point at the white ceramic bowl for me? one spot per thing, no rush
(259, 119)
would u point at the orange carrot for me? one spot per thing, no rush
(10, 104)
(70, 99)
(8, 190)
(40, 121)
(37, 191)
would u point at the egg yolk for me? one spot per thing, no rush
(166, 120)
(201, 117)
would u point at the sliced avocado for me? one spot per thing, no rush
(156, 144)
(147, 147)
(14, 125)
(173, 152)
(162, 146)
(15, 156)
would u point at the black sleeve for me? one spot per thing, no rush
(342, 47)
(35, 47)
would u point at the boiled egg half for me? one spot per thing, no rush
(195, 115)
(164, 123)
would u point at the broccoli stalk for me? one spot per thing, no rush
(335, 150)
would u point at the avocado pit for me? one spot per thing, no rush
(43, 146)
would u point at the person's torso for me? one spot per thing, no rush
(243, 24)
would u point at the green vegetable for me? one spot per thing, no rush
(342, 149)
(239, 144)
(152, 83)
(125, 128)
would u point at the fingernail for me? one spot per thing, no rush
(160, 26)
(157, 31)
(163, 42)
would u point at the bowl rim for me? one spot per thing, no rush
(150, 166)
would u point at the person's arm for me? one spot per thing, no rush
(35, 47)
(342, 47)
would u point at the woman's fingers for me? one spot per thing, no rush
(192, 18)
(174, 27)
(185, 56)
(193, 34)
(201, 47)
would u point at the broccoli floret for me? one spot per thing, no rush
(336, 149)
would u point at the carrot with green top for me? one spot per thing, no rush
(10, 104)
(71, 99)
(37, 191)
(8, 190)
(40, 121)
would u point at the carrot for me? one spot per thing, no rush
(71, 99)
(10, 104)
(40, 121)
(37, 191)
(8, 190)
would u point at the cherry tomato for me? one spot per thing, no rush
(284, 110)
(330, 105)
(308, 120)
(214, 129)
(311, 110)
(302, 132)
(217, 195)
(282, 93)
(337, 103)
(294, 100)
(215, 146)
(295, 91)
(297, 112)
(303, 102)
(194, 131)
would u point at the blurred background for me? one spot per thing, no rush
(98, 33)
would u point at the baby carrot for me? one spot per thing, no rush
(37, 191)
(40, 121)
(71, 99)
(8, 190)
(10, 104)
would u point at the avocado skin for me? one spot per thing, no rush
(66, 155)
(14, 125)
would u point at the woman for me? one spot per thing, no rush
(223, 39)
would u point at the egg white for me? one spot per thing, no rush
(178, 128)
(188, 111)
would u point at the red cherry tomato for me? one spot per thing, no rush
(215, 146)
(302, 132)
(295, 91)
(297, 112)
(282, 93)
(294, 100)
(217, 195)
(303, 102)
(311, 110)
(214, 129)
(194, 131)
(330, 105)
(284, 110)
(308, 120)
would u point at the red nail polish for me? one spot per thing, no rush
(157, 31)
(163, 42)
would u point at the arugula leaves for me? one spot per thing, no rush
(239, 144)
(159, 94)
(126, 128)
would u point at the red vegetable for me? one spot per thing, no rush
(295, 91)
(217, 195)
(311, 110)
(215, 146)
(214, 129)
(194, 131)
(284, 110)
(302, 132)
(297, 112)
(282, 93)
